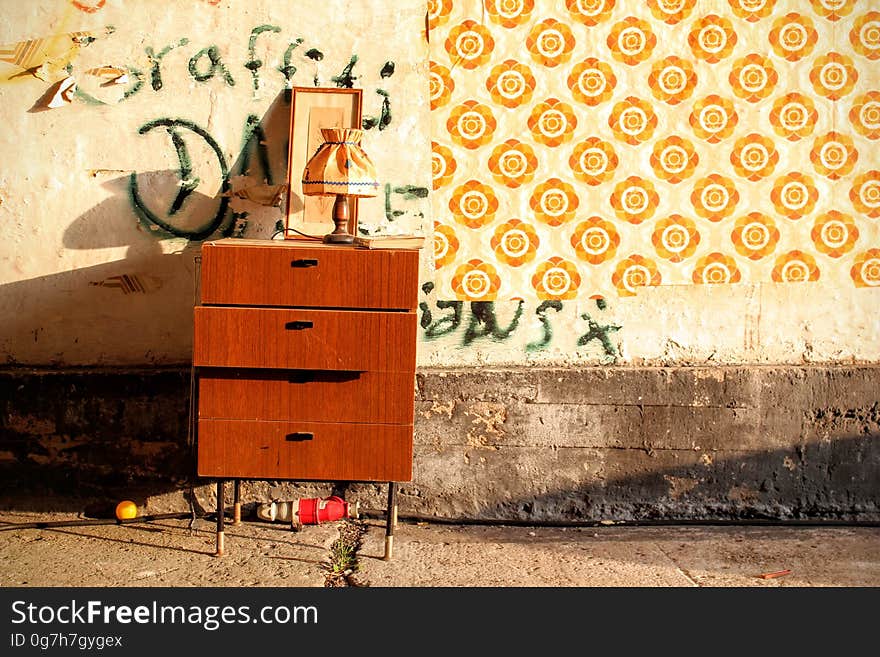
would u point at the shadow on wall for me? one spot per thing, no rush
(837, 478)
(138, 310)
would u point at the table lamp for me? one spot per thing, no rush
(340, 168)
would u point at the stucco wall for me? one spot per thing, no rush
(105, 199)
(89, 277)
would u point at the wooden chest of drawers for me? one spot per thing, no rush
(305, 358)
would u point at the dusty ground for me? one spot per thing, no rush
(168, 552)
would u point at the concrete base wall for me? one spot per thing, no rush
(539, 445)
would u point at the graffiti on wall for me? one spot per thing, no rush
(468, 322)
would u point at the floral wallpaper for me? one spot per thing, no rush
(588, 148)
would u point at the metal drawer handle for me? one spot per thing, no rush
(298, 325)
(304, 262)
(298, 436)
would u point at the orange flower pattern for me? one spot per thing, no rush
(712, 38)
(471, 124)
(671, 12)
(590, 12)
(443, 165)
(865, 115)
(441, 85)
(469, 44)
(476, 280)
(754, 157)
(865, 194)
(752, 10)
(473, 204)
(795, 267)
(631, 41)
(834, 233)
(554, 202)
(593, 161)
(865, 35)
(793, 116)
(595, 240)
(833, 75)
(674, 159)
(833, 155)
(509, 13)
(714, 197)
(833, 10)
(592, 82)
(710, 142)
(550, 42)
(510, 84)
(634, 199)
(632, 120)
(753, 77)
(445, 244)
(716, 269)
(552, 122)
(755, 235)
(556, 279)
(513, 163)
(675, 238)
(793, 36)
(713, 118)
(794, 195)
(515, 243)
(865, 271)
(672, 80)
(438, 13)
(634, 272)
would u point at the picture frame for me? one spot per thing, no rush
(311, 109)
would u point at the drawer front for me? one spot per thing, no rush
(275, 274)
(303, 450)
(304, 339)
(307, 395)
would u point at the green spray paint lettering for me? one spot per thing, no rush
(541, 312)
(345, 79)
(387, 70)
(445, 324)
(156, 60)
(600, 332)
(253, 64)
(484, 322)
(287, 69)
(187, 185)
(255, 137)
(411, 192)
(213, 55)
(384, 118)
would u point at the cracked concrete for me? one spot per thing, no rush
(168, 552)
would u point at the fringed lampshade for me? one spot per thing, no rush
(340, 168)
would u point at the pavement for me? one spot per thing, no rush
(180, 552)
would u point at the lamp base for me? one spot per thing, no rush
(340, 217)
(338, 238)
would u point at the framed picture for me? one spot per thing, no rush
(314, 108)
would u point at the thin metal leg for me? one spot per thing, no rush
(236, 501)
(391, 520)
(221, 490)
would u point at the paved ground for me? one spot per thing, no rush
(168, 552)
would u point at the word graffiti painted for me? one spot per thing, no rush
(479, 319)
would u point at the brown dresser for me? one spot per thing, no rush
(304, 356)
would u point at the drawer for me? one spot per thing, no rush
(304, 450)
(307, 395)
(270, 273)
(304, 339)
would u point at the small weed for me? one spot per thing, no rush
(343, 555)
